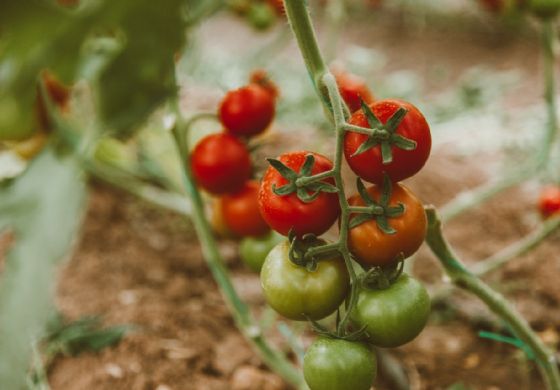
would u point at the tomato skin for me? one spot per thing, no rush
(247, 111)
(283, 213)
(393, 316)
(369, 165)
(371, 246)
(217, 222)
(253, 250)
(295, 292)
(549, 201)
(240, 211)
(334, 364)
(221, 163)
(352, 88)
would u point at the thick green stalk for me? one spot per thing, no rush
(548, 35)
(274, 359)
(461, 277)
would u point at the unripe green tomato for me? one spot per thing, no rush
(334, 364)
(298, 293)
(16, 123)
(395, 315)
(113, 152)
(261, 15)
(253, 250)
(544, 8)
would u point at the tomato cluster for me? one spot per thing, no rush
(221, 165)
(386, 141)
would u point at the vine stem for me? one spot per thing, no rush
(325, 85)
(496, 302)
(242, 316)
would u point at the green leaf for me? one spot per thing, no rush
(322, 187)
(364, 193)
(403, 143)
(287, 173)
(373, 121)
(395, 120)
(45, 208)
(386, 153)
(383, 225)
(386, 191)
(359, 219)
(307, 165)
(284, 190)
(366, 145)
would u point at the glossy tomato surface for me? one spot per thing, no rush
(297, 293)
(247, 111)
(253, 250)
(549, 201)
(240, 211)
(369, 165)
(283, 213)
(334, 364)
(221, 163)
(352, 88)
(371, 246)
(393, 316)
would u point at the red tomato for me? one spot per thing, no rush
(369, 165)
(240, 211)
(260, 77)
(549, 201)
(247, 111)
(278, 6)
(371, 246)
(283, 213)
(352, 88)
(221, 163)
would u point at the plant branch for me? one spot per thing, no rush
(274, 359)
(461, 277)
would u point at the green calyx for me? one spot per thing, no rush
(308, 250)
(380, 211)
(381, 278)
(306, 190)
(385, 135)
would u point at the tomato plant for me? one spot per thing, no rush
(253, 250)
(221, 163)
(247, 111)
(339, 365)
(549, 201)
(370, 242)
(315, 213)
(400, 147)
(298, 293)
(240, 211)
(395, 315)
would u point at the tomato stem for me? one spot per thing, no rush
(496, 302)
(548, 45)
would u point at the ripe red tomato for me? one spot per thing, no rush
(549, 201)
(283, 213)
(261, 77)
(371, 246)
(247, 111)
(221, 163)
(240, 211)
(369, 165)
(352, 88)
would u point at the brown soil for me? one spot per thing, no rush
(142, 266)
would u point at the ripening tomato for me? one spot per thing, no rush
(287, 212)
(221, 163)
(261, 78)
(369, 165)
(395, 315)
(336, 364)
(371, 246)
(296, 292)
(253, 250)
(352, 88)
(549, 201)
(247, 111)
(241, 211)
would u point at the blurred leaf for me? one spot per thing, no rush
(43, 208)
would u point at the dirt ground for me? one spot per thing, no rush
(139, 265)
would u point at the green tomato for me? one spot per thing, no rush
(261, 15)
(393, 316)
(253, 250)
(333, 364)
(544, 8)
(297, 293)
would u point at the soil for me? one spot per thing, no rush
(138, 265)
